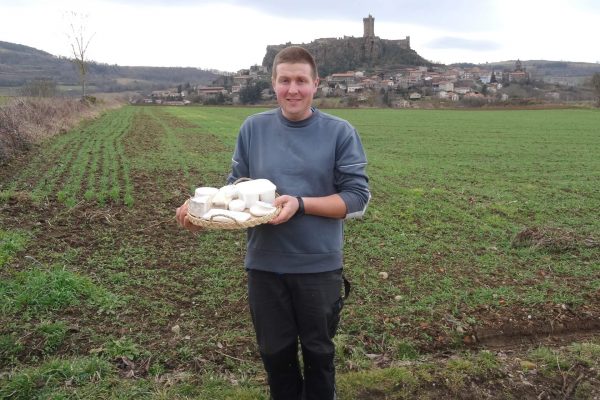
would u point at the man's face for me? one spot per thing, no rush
(295, 88)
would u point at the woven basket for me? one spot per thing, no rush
(233, 224)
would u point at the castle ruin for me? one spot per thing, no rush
(349, 52)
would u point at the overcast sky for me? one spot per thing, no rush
(232, 34)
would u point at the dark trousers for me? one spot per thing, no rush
(288, 307)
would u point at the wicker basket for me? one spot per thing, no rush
(233, 224)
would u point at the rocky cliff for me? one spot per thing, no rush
(355, 53)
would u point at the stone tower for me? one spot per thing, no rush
(369, 24)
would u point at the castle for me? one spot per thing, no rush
(369, 32)
(349, 52)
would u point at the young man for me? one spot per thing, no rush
(294, 263)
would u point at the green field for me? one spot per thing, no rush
(486, 223)
(4, 98)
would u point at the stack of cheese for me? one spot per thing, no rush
(240, 201)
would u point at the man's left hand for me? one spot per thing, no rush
(289, 205)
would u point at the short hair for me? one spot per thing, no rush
(294, 55)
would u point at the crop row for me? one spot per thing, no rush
(85, 164)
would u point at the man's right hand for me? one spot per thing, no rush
(184, 221)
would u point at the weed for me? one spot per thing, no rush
(123, 347)
(405, 350)
(11, 242)
(10, 347)
(584, 391)
(486, 362)
(376, 383)
(548, 359)
(586, 353)
(46, 380)
(187, 353)
(54, 334)
(457, 372)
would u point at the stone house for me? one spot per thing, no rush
(470, 73)
(518, 76)
(444, 95)
(355, 88)
(210, 92)
(346, 77)
(446, 86)
(242, 80)
(473, 95)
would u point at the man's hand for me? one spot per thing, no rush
(289, 205)
(183, 220)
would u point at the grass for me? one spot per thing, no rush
(36, 292)
(95, 377)
(11, 242)
(4, 97)
(480, 218)
(55, 378)
(54, 334)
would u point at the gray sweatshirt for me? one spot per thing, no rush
(319, 156)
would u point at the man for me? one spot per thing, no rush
(294, 263)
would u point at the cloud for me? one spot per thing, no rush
(434, 13)
(450, 42)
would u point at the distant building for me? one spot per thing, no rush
(211, 91)
(444, 95)
(347, 77)
(242, 80)
(355, 88)
(446, 85)
(462, 90)
(369, 26)
(519, 74)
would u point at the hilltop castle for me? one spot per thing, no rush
(349, 52)
(369, 32)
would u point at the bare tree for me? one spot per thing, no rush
(79, 41)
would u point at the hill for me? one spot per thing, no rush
(350, 53)
(567, 73)
(20, 64)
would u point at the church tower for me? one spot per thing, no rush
(369, 24)
(519, 66)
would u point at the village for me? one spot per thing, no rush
(402, 88)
